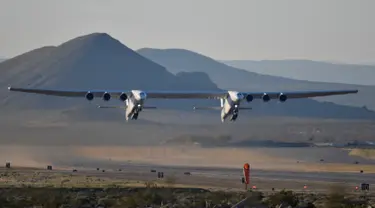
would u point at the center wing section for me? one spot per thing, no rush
(186, 94)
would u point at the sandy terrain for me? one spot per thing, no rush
(92, 156)
(36, 140)
(364, 153)
(215, 178)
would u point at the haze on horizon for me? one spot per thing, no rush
(337, 30)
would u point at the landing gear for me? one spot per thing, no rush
(135, 116)
(136, 112)
(234, 117)
(234, 114)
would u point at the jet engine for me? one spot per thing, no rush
(89, 96)
(123, 97)
(266, 97)
(106, 96)
(282, 97)
(249, 98)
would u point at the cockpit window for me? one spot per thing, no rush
(240, 95)
(142, 95)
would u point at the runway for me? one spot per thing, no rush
(222, 178)
(232, 173)
(208, 168)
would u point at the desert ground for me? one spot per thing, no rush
(35, 140)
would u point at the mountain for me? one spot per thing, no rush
(227, 77)
(310, 70)
(98, 61)
(94, 61)
(1, 59)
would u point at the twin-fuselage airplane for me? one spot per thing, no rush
(230, 100)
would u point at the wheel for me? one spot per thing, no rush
(135, 116)
(234, 117)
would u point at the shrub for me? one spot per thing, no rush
(283, 197)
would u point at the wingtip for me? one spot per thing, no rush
(9, 88)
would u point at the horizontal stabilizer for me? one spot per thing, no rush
(218, 108)
(207, 108)
(149, 107)
(124, 107)
(245, 108)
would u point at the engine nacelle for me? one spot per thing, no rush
(123, 97)
(266, 97)
(89, 96)
(249, 98)
(106, 96)
(282, 97)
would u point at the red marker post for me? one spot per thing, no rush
(246, 174)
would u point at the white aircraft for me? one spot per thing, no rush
(230, 100)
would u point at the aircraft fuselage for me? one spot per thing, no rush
(231, 105)
(134, 104)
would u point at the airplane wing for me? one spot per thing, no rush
(116, 94)
(67, 93)
(301, 94)
(184, 94)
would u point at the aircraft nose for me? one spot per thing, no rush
(142, 95)
(240, 96)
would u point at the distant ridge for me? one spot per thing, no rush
(98, 61)
(227, 77)
(310, 70)
(94, 61)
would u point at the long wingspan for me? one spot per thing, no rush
(184, 94)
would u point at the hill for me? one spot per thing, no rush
(94, 61)
(227, 77)
(310, 70)
(98, 61)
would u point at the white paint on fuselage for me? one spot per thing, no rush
(230, 104)
(134, 103)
